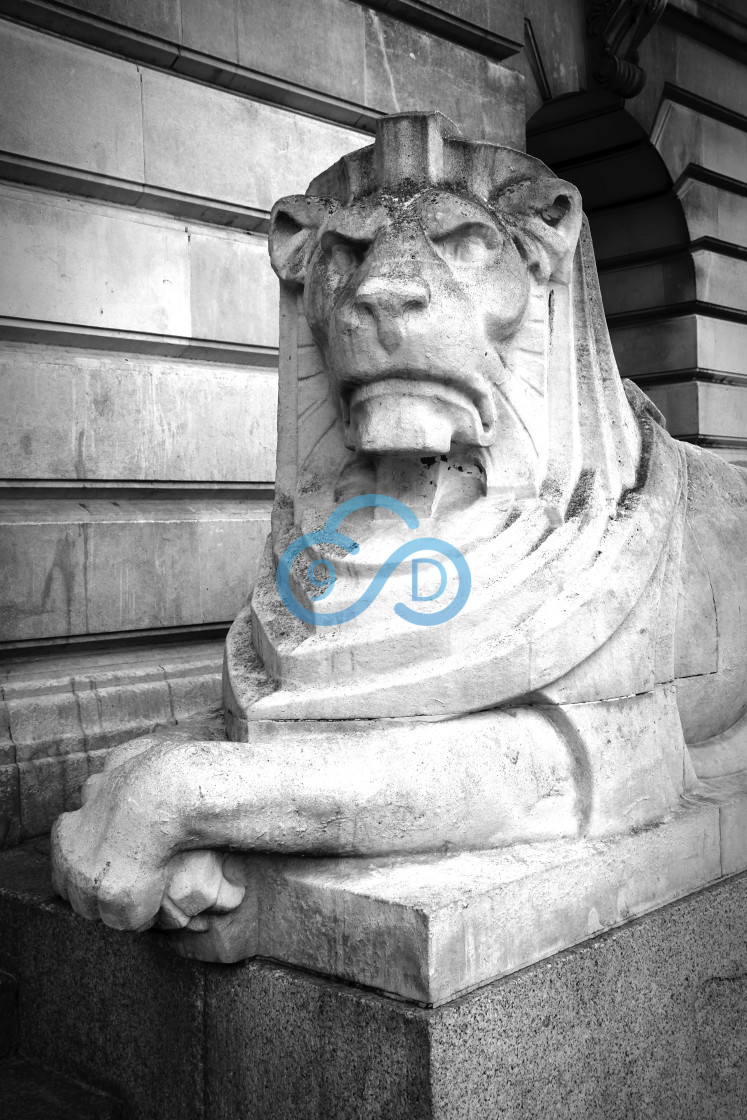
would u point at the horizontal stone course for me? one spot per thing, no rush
(343, 61)
(698, 408)
(494, 27)
(66, 410)
(215, 145)
(70, 105)
(161, 18)
(151, 138)
(86, 567)
(713, 212)
(704, 275)
(684, 136)
(699, 71)
(642, 227)
(685, 342)
(91, 266)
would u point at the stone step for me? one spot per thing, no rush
(30, 1092)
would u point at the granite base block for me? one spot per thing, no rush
(645, 1021)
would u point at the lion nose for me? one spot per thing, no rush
(388, 299)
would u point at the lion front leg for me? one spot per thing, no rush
(350, 788)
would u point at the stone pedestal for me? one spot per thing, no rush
(430, 928)
(645, 1021)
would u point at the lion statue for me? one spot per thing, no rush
(447, 386)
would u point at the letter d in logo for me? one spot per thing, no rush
(416, 596)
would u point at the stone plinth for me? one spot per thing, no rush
(428, 929)
(644, 1022)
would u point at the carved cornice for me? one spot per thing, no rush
(617, 28)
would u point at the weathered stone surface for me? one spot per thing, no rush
(466, 21)
(407, 71)
(50, 786)
(371, 59)
(89, 567)
(206, 150)
(233, 297)
(187, 421)
(155, 17)
(343, 53)
(68, 105)
(211, 30)
(121, 270)
(338, 1053)
(430, 929)
(59, 705)
(10, 806)
(62, 724)
(187, 129)
(70, 262)
(325, 51)
(693, 64)
(703, 275)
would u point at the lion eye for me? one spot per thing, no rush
(344, 256)
(469, 244)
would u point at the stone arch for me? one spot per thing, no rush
(664, 196)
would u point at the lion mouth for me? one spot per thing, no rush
(411, 412)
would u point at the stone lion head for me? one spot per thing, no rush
(432, 269)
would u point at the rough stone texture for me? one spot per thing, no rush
(143, 687)
(638, 1024)
(336, 1052)
(644, 1022)
(29, 1092)
(126, 1015)
(8, 1014)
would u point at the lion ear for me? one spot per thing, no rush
(547, 212)
(293, 227)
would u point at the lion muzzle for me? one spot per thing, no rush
(401, 416)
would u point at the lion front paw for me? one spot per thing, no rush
(119, 884)
(197, 887)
